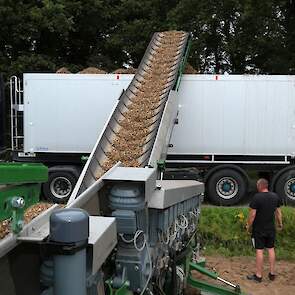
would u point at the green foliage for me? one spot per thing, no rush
(222, 232)
(236, 36)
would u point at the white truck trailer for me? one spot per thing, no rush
(227, 125)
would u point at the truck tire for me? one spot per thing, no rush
(226, 187)
(285, 187)
(59, 186)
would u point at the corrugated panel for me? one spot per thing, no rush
(64, 113)
(236, 115)
(223, 114)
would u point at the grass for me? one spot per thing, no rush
(222, 232)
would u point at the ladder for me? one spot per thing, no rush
(16, 114)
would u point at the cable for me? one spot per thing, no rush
(136, 235)
(194, 214)
(185, 221)
(166, 242)
(125, 240)
(172, 236)
(151, 267)
(184, 224)
(134, 240)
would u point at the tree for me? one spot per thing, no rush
(21, 27)
(288, 8)
(236, 36)
(133, 24)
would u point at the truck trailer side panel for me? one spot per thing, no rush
(64, 113)
(218, 115)
(235, 115)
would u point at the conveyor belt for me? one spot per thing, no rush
(137, 131)
(131, 132)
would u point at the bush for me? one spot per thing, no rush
(222, 232)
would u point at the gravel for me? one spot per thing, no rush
(128, 144)
(30, 213)
(92, 70)
(63, 70)
(129, 70)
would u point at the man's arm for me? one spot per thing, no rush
(251, 218)
(279, 218)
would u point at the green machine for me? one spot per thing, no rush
(191, 263)
(209, 288)
(20, 186)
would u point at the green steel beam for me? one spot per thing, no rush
(211, 288)
(20, 186)
(29, 192)
(14, 200)
(203, 270)
(84, 159)
(123, 290)
(161, 165)
(183, 63)
(208, 287)
(21, 173)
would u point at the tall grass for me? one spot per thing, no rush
(222, 232)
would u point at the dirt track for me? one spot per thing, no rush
(237, 268)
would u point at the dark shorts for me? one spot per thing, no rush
(263, 240)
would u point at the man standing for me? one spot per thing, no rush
(264, 211)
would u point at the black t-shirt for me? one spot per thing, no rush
(265, 205)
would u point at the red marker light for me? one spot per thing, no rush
(118, 77)
(216, 77)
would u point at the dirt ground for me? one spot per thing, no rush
(236, 269)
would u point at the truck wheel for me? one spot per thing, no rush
(285, 187)
(59, 186)
(226, 187)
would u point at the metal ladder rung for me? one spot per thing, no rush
(16, 113)
(18, 107)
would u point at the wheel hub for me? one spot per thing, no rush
(289, 188)
(61, 187)
(227, 188)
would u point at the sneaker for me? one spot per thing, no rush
(271, 276)
(254, 278)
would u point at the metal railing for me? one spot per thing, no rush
(16, 113)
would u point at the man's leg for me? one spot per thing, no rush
(258, 244)
(259, 262)
(272, 259)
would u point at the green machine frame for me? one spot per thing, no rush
(190, 263)
(20, 186)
